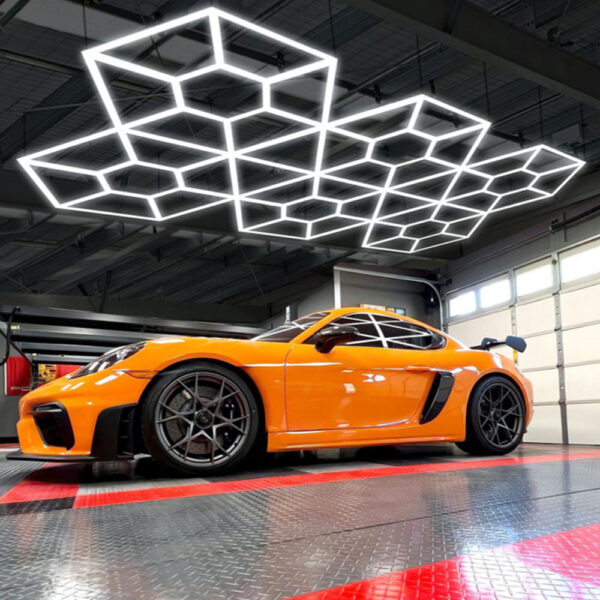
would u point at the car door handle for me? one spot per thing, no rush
(418, 369)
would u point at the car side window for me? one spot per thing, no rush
(407, 336)
(381, 331)
(368, 334)
(286, 333)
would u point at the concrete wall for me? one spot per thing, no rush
(357, 289)
(367, 289)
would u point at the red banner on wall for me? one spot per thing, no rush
(17, 376)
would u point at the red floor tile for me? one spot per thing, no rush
(229, 487)
(46, 483)
(563, 565)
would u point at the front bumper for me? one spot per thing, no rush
(87, 418)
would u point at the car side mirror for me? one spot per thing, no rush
(333, 336)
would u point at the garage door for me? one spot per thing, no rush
(536, 322)
(554, 304)
(580, 310)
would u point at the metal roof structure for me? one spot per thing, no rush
(531, 68)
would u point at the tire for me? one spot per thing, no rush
(495, 417)
(200, 419)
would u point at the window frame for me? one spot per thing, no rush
(462, 293)
(476, 289)
(504, 278)
(559, 285)
(532, 266)
(574, 251)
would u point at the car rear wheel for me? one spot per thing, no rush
(495, 418)
(200, 419)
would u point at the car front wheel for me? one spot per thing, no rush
(200, 419)
(495, 418)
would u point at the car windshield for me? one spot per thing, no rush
(288, 331)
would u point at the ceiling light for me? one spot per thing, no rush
(404, 172)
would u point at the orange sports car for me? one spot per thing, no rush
(344, 377)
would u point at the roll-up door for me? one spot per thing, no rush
(536, 322)
(472, 331)
(555, 305)
(580, 311)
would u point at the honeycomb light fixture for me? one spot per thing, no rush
(403, 171)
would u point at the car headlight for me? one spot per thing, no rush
(109, 359)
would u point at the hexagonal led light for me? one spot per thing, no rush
(221, 131)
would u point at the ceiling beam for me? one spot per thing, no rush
(149, 315)
(487, 37)
(63, 101)
(128, 254)
(260, 282)
(49, 263)
(165, 266)
(191, 283)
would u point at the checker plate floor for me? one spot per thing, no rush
(352, 525)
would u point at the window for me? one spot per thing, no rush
(492, 294)
(286, 333)
(368, 334)
(462, 304)
(580, 262)
(534, 278)
(407, 336)
(380, 331)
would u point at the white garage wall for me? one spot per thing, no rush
(546, 426)
(580, 306)
(472, 331)
(535, 317)
(561, 324)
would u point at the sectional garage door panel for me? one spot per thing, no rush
(584, 423)
(582, 383)
(562, 359)
(580, 306)
(540, 353)
(535, 317)
(545, 386)
(504, 351)
(545, 425)
(582, 344)
(471, 332)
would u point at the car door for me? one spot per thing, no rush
(382, 378)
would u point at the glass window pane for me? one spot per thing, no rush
(462, 304)
(580, 263)
(534, 279)
(286, 333)
(368, 334)
(495, 293)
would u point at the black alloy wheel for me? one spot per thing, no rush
(495, 417)
(200, 419)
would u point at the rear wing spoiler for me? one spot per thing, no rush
(512, 341)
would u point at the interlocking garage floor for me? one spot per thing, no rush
(417, 523)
